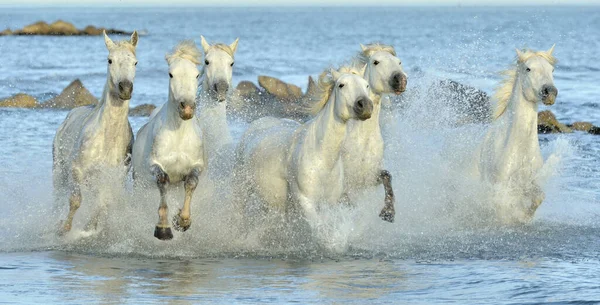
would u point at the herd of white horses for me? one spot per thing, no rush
(287, 164)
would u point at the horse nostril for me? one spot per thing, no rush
(216, 87)
(182, 105)
(360, 104)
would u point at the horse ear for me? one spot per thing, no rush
(134, 39)
(312, 86)
(335, 74)
(519, 54)
(362, 47)
(233, 45)
(204, 44)
(551, 49)
(109, 43)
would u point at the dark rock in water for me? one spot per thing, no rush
(581, 126)
(472, 104)
(279, 89)
(142, 110)
(246, 88)
(74, 95)
(595, 130)
(547, 123)
(19, 100)
(59, 28)
(63, 28)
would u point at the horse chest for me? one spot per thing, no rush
(106, 146)
(178, 153)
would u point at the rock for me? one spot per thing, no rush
(142, 110)
(281, 90)
(19, 100)
(547, 123)
(60, 27)
(74, 95)
(581, 126)
(38, 28)
(471, 103)
(246, 88)
(91, 31)
(594, 130)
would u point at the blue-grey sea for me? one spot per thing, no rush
(430, 255)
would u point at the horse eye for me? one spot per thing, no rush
(232, 64)
(375, 62)
(206, 62)
(110, 61)
(136, 63)
(341, 85)
(528, 70)
(197, 76)
(170, 75)
(367, 86)
(400, 63)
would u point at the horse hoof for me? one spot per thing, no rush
(181, 224)
(387, 215)
(63, 228)
(163, 233)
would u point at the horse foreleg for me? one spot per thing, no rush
(388, 212)
(182, 221)
(537, 199)
(74, 198)
(162, 230)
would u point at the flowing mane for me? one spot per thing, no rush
(361, 59)
(185, 50)
(504, 91)
(125, 44)
(323, 89)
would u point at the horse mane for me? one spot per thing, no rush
(185, 50)
(126, 44)
(362, 58)
(321, 91)
(504, 90)
(223, 47)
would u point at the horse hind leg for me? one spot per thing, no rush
(537, 199)
(182, 221)
(162, 230)
(388, 212)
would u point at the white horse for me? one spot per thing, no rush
(216, 89)
(170, 148)
(94, 138)
(510, 157)
(288, 164)
(362, 152)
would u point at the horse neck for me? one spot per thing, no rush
(326, 133)
(111, 110)
(521, 113)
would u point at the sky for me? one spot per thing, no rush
(292, 2)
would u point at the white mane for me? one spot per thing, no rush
(361, 59)
(185, 50)
(323, 89)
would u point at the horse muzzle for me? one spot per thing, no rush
(220, 89)
(125, 90)
(363, 108)
(398, 82)
(186, 110)
(549, 94)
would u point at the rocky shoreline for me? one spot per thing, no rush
(277, 98)
(61, 28)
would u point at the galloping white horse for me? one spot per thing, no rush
(510, 156)
(216, 89)
(362, 152)
(288, 164)
(169, 148)
(96, 137)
